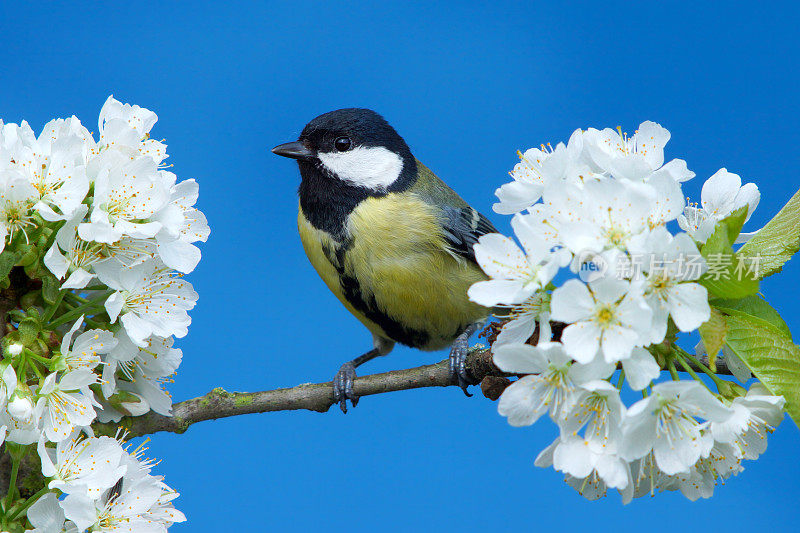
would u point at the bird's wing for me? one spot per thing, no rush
(462, 225)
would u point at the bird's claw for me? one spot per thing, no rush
(343, 386)
(458, 364)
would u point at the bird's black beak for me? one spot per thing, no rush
(295, 150)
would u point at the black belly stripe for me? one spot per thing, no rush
(368, 305)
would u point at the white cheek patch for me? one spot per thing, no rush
(372, 167)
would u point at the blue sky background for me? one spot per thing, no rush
(466, 85)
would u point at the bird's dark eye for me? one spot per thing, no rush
(342, 144)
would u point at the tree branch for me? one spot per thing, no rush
(311, 396)
(220, 403)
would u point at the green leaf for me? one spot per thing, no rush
(729, 274)
(50, 289)
(713, 334)
(725, 232)
(754, 306)
(7, 261)
(28, 331)
(778, 241)
(769, 354)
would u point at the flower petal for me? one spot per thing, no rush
(640, 369)
(581, 341)
(688, 305)
(519, 358)
(521, 403)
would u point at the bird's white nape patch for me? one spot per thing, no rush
(374, 167)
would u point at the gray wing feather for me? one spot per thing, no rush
(462, 225)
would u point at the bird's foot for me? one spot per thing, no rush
(343, 381)
(458, 363)
(343, 386)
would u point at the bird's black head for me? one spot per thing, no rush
(346, 156)
(355, 146)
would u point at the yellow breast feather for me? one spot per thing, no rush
(400, 278)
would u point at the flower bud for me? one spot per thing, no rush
(20, 408)
(58, 363)
(15, 349)
(138, 408)
(129, 403)
(29, 257)
(29, 300)
(730, 390)
(40, 347)
(10, 338)
(41, 243)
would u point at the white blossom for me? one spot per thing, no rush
(83, 465)
(182, 225)
(754, 417)
(603, 204)
(73, 258)
(20, 408)
(127, 127)
(53, 164)
(550, 387)
(670, 265)
(722, 194)
(145, 370)
(524, 317)
(127, 194)
(109, 215)
(163, 511)
(149, 300)
(574, 455)
(647, 477)
(84, 352)
(608, 317)
(539, 168)
(79, 254)
(8, 384)
(665, 423)
(718, 464)
(515, 275)
(20, 418)
(65, 405)
(17, 197)
(632, 158)
(598, 408)
(47, 516)
(669, 203)
(603, 214)
(640, 368)
(143, 503)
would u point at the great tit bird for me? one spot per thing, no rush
(391, 240)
